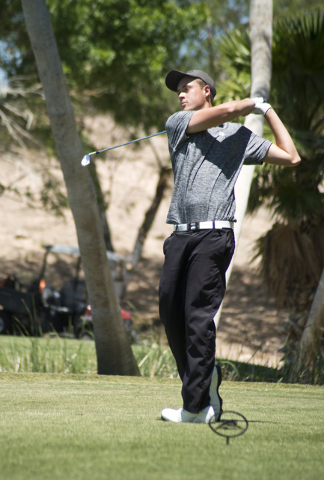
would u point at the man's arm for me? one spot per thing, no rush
(284, 152)
(214, 116)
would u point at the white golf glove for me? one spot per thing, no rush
(261, 108)
(258, 99)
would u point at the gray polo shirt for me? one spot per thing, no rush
(206, 166)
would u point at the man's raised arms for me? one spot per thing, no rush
(284, 152)
(215, 116)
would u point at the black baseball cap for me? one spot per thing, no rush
(174, 76)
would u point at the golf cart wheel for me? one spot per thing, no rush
(5, 322)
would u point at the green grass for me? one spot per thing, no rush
(86, 427)
(47, 355)
(63, 355)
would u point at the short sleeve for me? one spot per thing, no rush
(176, 127)
(256, 150)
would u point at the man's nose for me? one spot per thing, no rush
(181, 94)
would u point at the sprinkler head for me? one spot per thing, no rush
(85, 160)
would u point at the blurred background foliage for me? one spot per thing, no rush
(297, 94)
(115, 53)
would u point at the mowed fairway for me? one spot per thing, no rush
(88, 427)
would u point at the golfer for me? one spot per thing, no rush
(207, 154)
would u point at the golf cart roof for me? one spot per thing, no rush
(70, 250)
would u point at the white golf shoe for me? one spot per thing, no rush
(181, 415)
(215, 399)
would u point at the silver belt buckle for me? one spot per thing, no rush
(193, 226)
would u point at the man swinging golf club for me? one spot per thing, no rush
(207, 154)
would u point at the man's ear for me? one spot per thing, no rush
(207, 91)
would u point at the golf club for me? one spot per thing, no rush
(86, 159)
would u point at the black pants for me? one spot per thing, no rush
(191, 290)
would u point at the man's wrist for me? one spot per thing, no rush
(261, 108)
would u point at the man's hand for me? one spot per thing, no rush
(258, 99)
(261, 108)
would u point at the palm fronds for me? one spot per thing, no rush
(13, 109)
(292, 259)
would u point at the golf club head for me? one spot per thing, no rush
(85, 160)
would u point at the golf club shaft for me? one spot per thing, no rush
(127, 143)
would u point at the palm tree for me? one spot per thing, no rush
(313, 330)
(114, 353)
(292, 252)
(260, 38)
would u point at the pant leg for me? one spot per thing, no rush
(172, 293)
(210, 255)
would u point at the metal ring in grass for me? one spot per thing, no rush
(229, 425)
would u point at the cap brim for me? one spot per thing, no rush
(173, 78)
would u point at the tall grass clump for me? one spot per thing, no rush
(305, 367)
(155, 360)
(65, 355)
(47, 355)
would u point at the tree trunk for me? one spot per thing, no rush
(102, 206)
(150, 214)
(261, 41)
(313, 333)
(114, 353)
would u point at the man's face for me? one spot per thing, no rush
(190, 94)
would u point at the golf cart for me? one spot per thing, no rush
(39, 308)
